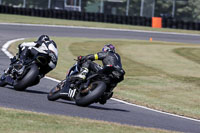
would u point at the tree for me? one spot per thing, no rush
(37, 3)
(134, 7)
(190, 11)
(163, 8)
(12, 2)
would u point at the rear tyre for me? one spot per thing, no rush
(30, 77)
(97, 89)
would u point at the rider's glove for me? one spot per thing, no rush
(19, 46)
(82, 58)
(79, 57)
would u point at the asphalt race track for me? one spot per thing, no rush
(34, 99)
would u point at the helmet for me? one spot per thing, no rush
(43, 38)
(108, 47)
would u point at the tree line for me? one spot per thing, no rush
(187, 10)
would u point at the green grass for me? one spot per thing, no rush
(189, 53)
(17, 121)
(7, 18)
(146, 83)
(159, 75)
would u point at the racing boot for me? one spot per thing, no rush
(81, 75)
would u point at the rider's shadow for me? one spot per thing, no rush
(94, 106)
(105, 108)
(36, 92)
(28, 91)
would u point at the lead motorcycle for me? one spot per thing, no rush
(24, 75)
(97, 87)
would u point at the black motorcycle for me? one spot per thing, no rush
(26, 74)
(97, 87)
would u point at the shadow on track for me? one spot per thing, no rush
(94, 107)
(27, 91)
(36, 92)
(104, 108)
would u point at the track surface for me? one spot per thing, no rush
(34, 99)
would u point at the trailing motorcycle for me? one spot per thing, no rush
(97, 87)
(26, 74)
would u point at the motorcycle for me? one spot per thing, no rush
(97, 87)
(26, 74)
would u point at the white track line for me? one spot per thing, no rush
(7, 44)
(96, 28)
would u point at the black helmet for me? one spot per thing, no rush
(43, 38)
(108, 47)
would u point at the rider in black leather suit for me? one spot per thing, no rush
(109, 57)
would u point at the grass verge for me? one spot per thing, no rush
(7, 18)
(159, 75)
(19, 121)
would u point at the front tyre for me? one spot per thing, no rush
(95, 90)
(27, 80)
(54, 94)
(2, 83)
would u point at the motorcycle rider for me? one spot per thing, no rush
(30, 49)
(109, 58)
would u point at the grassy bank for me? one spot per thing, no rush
(7, 18)
(159, 75)
(17, 121)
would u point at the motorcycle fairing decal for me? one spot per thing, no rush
(64, 93)
(53, 49)
(71, 93)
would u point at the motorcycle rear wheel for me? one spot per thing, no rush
(27, 80)
(97, 89)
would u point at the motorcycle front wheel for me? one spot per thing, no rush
(54, 94)
(2, 83)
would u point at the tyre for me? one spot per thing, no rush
(2, 83)
(54, 94)
(27, 80)
(94, 91)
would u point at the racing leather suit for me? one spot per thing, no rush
(108, 59)
(47, 47)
